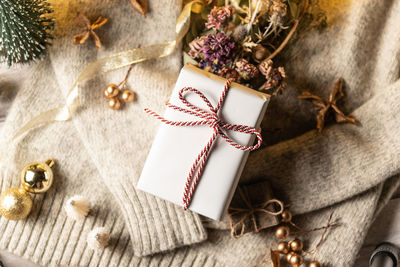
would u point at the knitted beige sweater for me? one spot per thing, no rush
(352, 170)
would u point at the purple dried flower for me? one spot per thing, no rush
(218, 16)
(229, 73)
(246, 70)
(218, 49)
(196, 47)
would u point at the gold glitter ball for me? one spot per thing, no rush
(15, 203)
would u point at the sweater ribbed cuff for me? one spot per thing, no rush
(49, 238)
(154, 224)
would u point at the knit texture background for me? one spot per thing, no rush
(351, 170)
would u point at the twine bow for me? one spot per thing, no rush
(249, 212)
(211, 118)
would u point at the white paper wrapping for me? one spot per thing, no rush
(176, 147)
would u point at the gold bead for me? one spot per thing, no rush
(296, 260)
(296, 245)
(282, 232)
(314, 264)
(286, 216)
(37, 177)
(114, 103)
(111, 91)
(15, 203)
(127, 96)
(283, 247)
(289, 256)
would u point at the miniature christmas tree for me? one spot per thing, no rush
(24, 30)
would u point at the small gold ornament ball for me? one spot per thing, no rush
(315, 264)
(286, 216)
(37, 177)
(283, 247)
(282, 232)
(114, 103)
(296, 260)
(296, 245)
(289, 256)
(127, 96)
(15, 203)
(111, 91)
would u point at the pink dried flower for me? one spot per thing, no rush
(278, 8)
(265, 67)
(277, 12)
(196, 47)
(274, 77)
(218, 16)
(246, 70)
(229, 73)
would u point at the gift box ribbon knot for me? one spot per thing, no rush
(212, 119)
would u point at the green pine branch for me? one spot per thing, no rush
(24, 30)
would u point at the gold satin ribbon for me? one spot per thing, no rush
(114, 62)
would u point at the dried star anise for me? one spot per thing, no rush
(325, 105)
(88, 29)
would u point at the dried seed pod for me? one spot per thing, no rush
(98, 238)
(259, 53)
(77, 207)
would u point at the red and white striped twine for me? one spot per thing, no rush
(211, 119)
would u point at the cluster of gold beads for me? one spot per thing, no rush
(16, 202)
(115, 95)
(292, 249)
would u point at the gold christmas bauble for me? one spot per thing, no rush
(127, 96)
(286, 216)
(111, 91)
(15, 203)
(283, 247)
(114, 103)
(296, 245)
(282, 232)
(37, 177)
(314, 264)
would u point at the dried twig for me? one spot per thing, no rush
(284, 43)
(329, 225)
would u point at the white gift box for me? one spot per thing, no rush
(175, 148)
